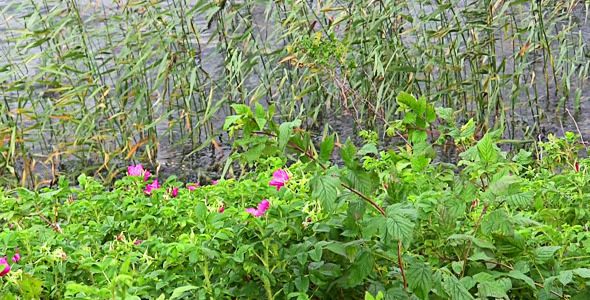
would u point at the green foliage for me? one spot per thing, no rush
(388, 224)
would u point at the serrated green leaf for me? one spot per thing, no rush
(286, 132)
(523, 199)
(545, 253)
(326, 190)
(497, 221)
(491, 289)
(400, 228)
(326, 148)
(359, 179)
(486, 151)
(419, 276)
(408, 100)
(455, 289)
(566, 276)
(519, 275)
(360, 269)
(348, 153)
(582, 272)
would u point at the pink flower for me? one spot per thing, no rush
(214, 182)
(16, 257)
(4, 261)
(139, 242)
(253, 211)
(152, 186)
(279, 177)
(193, 187)
(138, 170)
(175, 192)
(222, 209)
(11, 226)
(474, 203)
(577, 166)
(262, 207)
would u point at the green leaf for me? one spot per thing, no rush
(545, 253)
(360, 269)
(177, 293)
(359, 179)
(326, 148)
(486, 151)
(230, 120)
(497, 221)
(399, 228)
(408, 100)
(455, 289)
(302, 284)
(419, 276)
(582, 272)
(242, 109)
(260, 116)
(369, 148)
(565, 276)
(348, 153)
(337, 248)
(519, 275)
(519, 200)
(286, 132)
(326, 190)
(491, 289)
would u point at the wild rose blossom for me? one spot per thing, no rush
(6, 269)
(138, 170)
(174, 192)
(258, 212)
(279, 177)
(152, 186)
(139, 242)
(16, 257)
(222, 209)
(214, 182)
(193, 186)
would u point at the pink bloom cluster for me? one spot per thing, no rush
(4, 262)
(193, 186)
(279, 177)
(262, 207)
(152, 186)
(138, 170)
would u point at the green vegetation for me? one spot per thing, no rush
(387, 224)
(449, 195)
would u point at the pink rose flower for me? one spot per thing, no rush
(193, 187)
(175, 192)
(4, 261)
(262, 207)
(279, 177)
(138, 170)
(253, 211)
(16, 257)
(214, 182)
(139, 242)
(152, 186)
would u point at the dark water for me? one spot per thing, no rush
(206, 165)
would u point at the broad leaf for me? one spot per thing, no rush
(419, 276)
